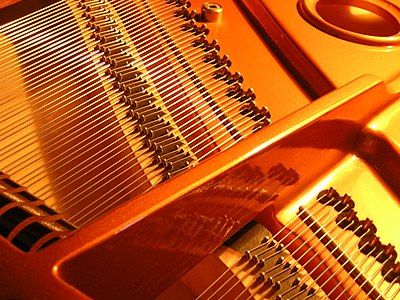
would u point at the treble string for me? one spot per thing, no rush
(47, 12)
(149, 53)
(69, 95)
(140, 45)
(54, 55)
(46, 101)
(107, 171)
(226, 142)
(152, 177)
(38, 42)
(47, 86)
(99, 158)
(134, 184)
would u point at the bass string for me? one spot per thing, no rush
(37, 37)
(47, 11)
(86, 87)
(45, 97)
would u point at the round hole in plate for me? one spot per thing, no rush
(371, 22)
(360, 17)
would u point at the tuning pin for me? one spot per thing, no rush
(214, 44)
(249, 94)
(201, 29)
(236, 77)
(224, 61)
(345, 203)
(370, 245)
(347, 220)
(234, 90)
(365, 226)
(190, 24)
(391, 271)
(388, 253)
(222, 71)
(328, 197)
(211, 56)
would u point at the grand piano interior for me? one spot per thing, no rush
(167, 149)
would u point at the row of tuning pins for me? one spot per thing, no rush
(151, 119)
(124, 65)
(166, 147)
(369, 243)
(282, 276)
